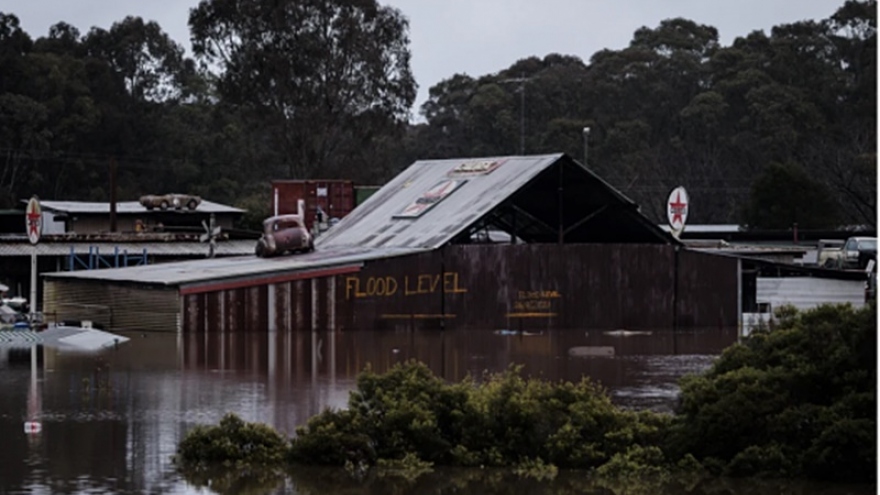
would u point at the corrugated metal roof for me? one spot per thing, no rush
(377, 222)
(706, 228)
(223, 248)
(83, 207)
(809, 292)
(217, 269)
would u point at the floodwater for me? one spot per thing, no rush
(110, 421)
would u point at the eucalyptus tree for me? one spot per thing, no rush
(643, 135)
(150, 63)
(323, 80)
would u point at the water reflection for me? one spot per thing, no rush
(111, 420)
(459, 481)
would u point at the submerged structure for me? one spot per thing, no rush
(519, 242)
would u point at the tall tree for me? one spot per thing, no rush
(150, 63)
(325, 77)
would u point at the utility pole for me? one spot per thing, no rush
(522, 109)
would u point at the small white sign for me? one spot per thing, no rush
(677, 209)
(33, 427)
(322, 192)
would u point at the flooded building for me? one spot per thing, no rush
(518, 243)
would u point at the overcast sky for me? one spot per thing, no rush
(475, 37)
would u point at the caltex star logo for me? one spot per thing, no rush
(678, 209)
(33, 220)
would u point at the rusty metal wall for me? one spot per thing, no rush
(515, 287)
(518, 287)
(707, 290)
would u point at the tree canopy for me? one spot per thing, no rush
(322, 89)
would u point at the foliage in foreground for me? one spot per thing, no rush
(506, 420)
(795, 401)
(798, 400)
(233, 441)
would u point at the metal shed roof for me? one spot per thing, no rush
(531, 186)
(223, 248)
(220, 269)
(82, 207)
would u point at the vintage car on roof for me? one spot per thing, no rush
(172, 200)
(284, 234)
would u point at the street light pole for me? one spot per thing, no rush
(522, 116)
(522, 109)
(586, 143)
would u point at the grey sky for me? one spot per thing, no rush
(474, 37)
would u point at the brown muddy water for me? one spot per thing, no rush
(110, 421)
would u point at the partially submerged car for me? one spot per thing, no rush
(284, 234)
(172, 200)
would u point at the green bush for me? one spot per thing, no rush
(504, 420)
(233, 441)
(795, 400)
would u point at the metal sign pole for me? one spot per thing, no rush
(33, 228)
(33, 300)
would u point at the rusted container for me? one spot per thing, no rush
(336, 198)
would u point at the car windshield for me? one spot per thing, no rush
(868, 244)
(276, 224)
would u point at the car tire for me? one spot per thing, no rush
(192, 204)
(829, 263)
(260, 249)
(164, 205)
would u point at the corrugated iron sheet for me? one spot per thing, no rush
(225, 269)
(809, 292)
(433, 201)
(533, 287)
(512, 287)
(523, 287)
(509, 287)
(125, 207)
(223, 248)
(373, 223)
(115, 307)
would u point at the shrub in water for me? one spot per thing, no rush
(505, 420)
(233, 441)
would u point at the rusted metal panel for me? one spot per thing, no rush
(527, 287)
(533, 287)
(707, 290)
(194, 310)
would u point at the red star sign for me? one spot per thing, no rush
(678, 209)
(33, 220)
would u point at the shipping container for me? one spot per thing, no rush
(362, 193)
(334, 197)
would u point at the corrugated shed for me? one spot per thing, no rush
(221, 269)
(223, 248)
(544, 197)
(115, 307)
(375, 222)
(809, 292)
(84, 207)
